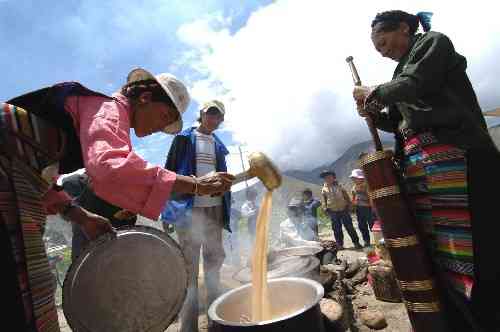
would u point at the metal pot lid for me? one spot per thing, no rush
(136, 281)
(283, 267)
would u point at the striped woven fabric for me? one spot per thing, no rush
(436, 177)
(32, 139)
(31, 145)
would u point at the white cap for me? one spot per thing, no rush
(357, 173)
(174, 88)
(213, 103)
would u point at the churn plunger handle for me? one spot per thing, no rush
(368, 119)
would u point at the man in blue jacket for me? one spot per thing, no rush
(199, 220)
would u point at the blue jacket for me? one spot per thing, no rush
(181, 159)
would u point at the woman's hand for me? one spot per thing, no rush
(360, 93)
(214, 183)
(92, 224)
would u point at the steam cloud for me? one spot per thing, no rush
(284, 78)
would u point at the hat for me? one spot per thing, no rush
(213, 103)
(174, 88)
(326, 172)
(357, 174)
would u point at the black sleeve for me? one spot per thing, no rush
(384, 121)
(424, 72)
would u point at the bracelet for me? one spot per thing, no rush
(195, 191)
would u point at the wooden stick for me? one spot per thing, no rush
(368, 119)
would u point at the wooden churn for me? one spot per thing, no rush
(411, 264)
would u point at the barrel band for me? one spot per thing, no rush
(423, 306)
(383, 192)
(375, 156)
(416, 285)
(402, 241)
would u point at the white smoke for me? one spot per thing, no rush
(284, 78)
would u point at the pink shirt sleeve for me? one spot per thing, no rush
(118, 174)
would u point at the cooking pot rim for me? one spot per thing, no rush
(320, 292)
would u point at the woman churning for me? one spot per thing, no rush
(447, 158)
(61, 129)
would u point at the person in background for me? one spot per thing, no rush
(337, 205)
(234, 238)
(361, 203)
(294, 231)
(447, 159)
(200, 219)
(311, 210)
(249, 210)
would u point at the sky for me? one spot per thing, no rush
(279, 66)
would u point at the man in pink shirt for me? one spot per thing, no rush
(94, 133)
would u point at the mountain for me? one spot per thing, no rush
(348, 161)
(342, 166)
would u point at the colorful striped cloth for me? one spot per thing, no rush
(436, 177)
(29, 145)
(29, 137)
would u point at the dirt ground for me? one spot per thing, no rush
(395, 313)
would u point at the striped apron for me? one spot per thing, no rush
(436, 180)
(27, 146)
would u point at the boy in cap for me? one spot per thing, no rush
(337, 204)
(199, 220)
(361, 201)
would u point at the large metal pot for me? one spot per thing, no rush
(294, 305)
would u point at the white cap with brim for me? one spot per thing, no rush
(213, 103)
(174, 88)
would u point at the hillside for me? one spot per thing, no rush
(342, 166)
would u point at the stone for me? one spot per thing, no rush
(374, 319)
(331, 309)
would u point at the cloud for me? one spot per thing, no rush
(284, 78)
(153, 148)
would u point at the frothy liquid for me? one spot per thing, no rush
(261, 309)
